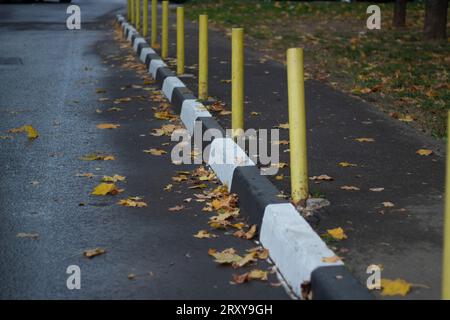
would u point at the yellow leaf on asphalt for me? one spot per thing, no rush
(257, 274)
(94, 252)
(204, 234)
(424, 152)
(155, 152)
(97, 156)
(376, 189)
(398, 287)
(365, 139)
(249, 257)
(337, 233)
(108, 126)
(114, 178)
(283, 126)
(132, 202)
(227, 256)
(347, 164)
(388, 204)
(31, 132)
(105, 188)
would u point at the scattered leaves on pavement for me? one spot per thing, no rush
(337, 233)
(104, 189)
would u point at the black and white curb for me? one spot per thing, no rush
(294, 247)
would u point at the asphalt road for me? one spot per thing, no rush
(49, 77)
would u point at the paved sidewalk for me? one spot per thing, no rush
(405, 239)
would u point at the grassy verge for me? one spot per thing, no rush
(393, 69)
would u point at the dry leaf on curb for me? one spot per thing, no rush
(332, 259)
(398, 287)
(227, 256)
(424, 152)
(33, 236)
(108, 126)
(94, 252)
(202, 234)
(132, 202)
(283, 126)
(337, 233)
(388, 204)
(155, 152)
(105, 188)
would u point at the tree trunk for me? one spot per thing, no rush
(435, 19)
(399, 13)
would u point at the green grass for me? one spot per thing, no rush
(394, 69)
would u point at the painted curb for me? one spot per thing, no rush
(294, 247)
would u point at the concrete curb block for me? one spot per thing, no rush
(296, 249)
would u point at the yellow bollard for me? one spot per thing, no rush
(180, 40)
(203, 58)
(145, 19)
(154, 39)
(237, 81)
(132, 6)
(128, 10)
(138, 14)
(446, 255)
(297, 125)
(165, 30)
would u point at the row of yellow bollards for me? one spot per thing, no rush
(296, 100)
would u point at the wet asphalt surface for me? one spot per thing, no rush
(49, 80)
(406, 240)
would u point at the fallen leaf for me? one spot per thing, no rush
(365, 139)
(176, 208)
(347, 164)
(94, 252)
(376, 189)
(108, 126)
(337, 233)
(114, 178)
(33, 236)
(322, 177)
(350, 188)
(398, 287)
(86, 175)
(227, 256)
(132, 202)
(246, 235)
(31, 132)
(204, 234)
(155, 152)
(283, 126)
(255, 274)
(332, 259)
(97, 156)
(424, 152)
(105, 188)
(387, 204)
